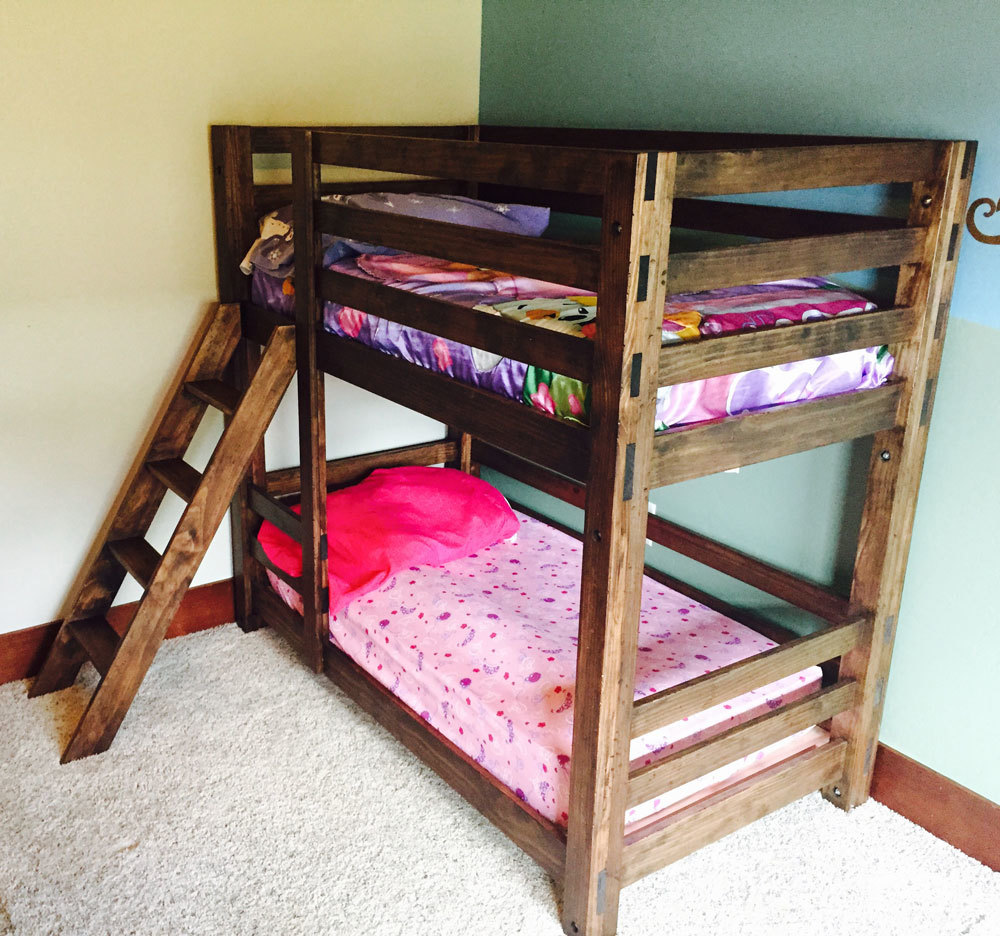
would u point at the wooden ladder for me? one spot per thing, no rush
(121, 547)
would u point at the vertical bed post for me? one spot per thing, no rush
(235, 230)
(312, 415)
(634, 246)
(896, 462)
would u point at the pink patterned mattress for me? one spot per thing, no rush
(484, 649)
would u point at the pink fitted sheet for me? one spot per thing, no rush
(484, 649)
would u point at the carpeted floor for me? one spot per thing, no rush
(245, 795)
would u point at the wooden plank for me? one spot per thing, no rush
(734, 441)
(732, 562)
(962, 818)
(489, 416)
(232, 197)
(276, 513)
(575, 265)
(223, 396)
(98, 639)
(743, 351)
(311, 397)
(635, 231)
(279, 139)
(549, 167)
(569, 355)
(721, 685)
(269, 196)
(795, 256)
(800, 167)
(257, 551)
(137, 557)
(258, 322)
(542, 839)
(659, 777)
(897, 460)
(716, 816)
(177, 475)
(184, 552)
(340, 472)
(768, 578)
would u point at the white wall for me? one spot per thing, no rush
(106, 257)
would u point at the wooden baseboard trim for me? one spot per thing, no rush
(962, 818)
(205, 606)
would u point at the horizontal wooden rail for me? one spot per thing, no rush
(777, 169)
(768, 578)
(275, 512)
(268, 196)
(284, 482)
(548, 167)
(281, 139)
(734, 441)
(565, 354)
(746, 568)
(257, 551)
(796, 256)
(743, 351)
(541, 438)
(574, 265)
(708, 820)
(721, 685)
(659, 777)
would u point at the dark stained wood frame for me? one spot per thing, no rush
(633, 181)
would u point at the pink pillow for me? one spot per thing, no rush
(394, 519)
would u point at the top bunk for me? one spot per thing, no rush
(635, 194)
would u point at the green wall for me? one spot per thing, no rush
(915, 69)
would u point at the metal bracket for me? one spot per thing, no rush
(650, 192)
(642, 288)
(925, 410)
(636, 379)
(324, 548)
(954, 242)
(602, 886)
(629, 471)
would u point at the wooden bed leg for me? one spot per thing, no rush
(242, 521)
(312, 411)
(896, 462)
(635, 223)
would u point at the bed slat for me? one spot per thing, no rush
(743, 351)
(801, 167)
(566, 354)
(275, 512)
(734, 441)
(721, 685)
(507, 423)
(795, 256)
(716, 816)
(667, 774)
(555, 261)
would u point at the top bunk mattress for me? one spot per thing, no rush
(562, 308)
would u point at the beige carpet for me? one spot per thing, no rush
(245, 795)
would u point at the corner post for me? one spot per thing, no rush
(635, 228)
(312, 413)
(896, 463)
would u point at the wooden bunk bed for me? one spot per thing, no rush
(639, 184)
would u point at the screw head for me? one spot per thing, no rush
(617, 227)
(927, 201)
(836, 791)
(885, 455)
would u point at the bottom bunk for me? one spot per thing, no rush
(478, 656)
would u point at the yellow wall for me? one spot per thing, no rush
(106, 257)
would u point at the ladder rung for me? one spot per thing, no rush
(137, 557)
(217, 393)
(177, 475)
(99, 640)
